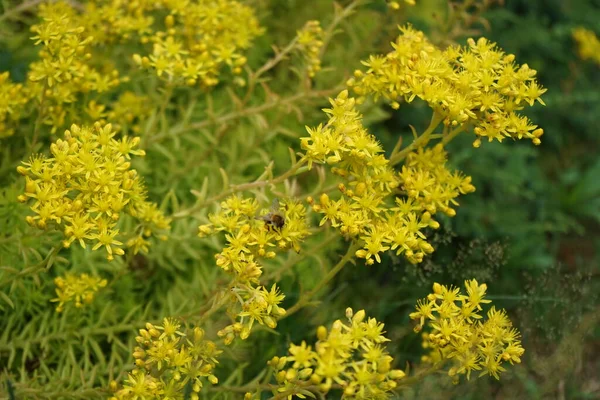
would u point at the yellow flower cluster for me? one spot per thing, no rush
(80, 289)
(126, 112)
(395, 5)
(65, 67)
(363, 211)
(252, 235)
(588, 44)
(478, 86)
(129, 110)
(458, 331)
(167, 362)
(349, 356)
(85, 187)
(13, 97)
(429, 184)
(310, 43)
(196, 39)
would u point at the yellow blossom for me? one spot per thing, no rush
(65, 69)
(13, 98)
(78, 288)
(169, 359)
(370, 208)
(351, 355)
(477, 87)
(86, 186)
(199, 38)
(588, 44)
(467, 340)
(251, 237)
(310, 42)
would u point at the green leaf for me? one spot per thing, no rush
(7, 299)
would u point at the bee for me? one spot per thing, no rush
(274, 219)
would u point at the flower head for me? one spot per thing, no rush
(458, 334)
(351, 355)
(86, 187)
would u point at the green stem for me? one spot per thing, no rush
(246, 112)
(167, 98)
(452, 134)
(419, 376)
(294, 259)
(297, 169)
(38, 120)
(338, 18)
(291, 392)
(238, 389)
(27, 5)
(305, 298)
(420, 141)
(34, 269)
(43, 393)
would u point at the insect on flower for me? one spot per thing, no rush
(274, 219)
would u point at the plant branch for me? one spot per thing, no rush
(27, 5)
(295, 258)
(453, 133)
(294, 170)
(305, 298)
(246, 112)
(411, 380)
(338, 18)
(420, 141)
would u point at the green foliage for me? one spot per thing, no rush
(530, 230)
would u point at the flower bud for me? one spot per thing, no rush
(280, 377)
(169, 21)
(397, 374)
(270, 322)
(358, 317)
(360, 188)
(281, 363)
(362, 253)
(291, 374)
(305, 373)
(321, 333)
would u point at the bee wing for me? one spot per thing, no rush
(273, 210)
(275, 205)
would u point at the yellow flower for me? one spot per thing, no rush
(252, 235)
(86, 187)
(65, 69)
(201, 37)
(79, 288)
(365, 211)
(309, 43)
(588, 44)
(106, 238)
(168, 360)
(477, 87)
(467, 340)
(351, 355)
(13, 98)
